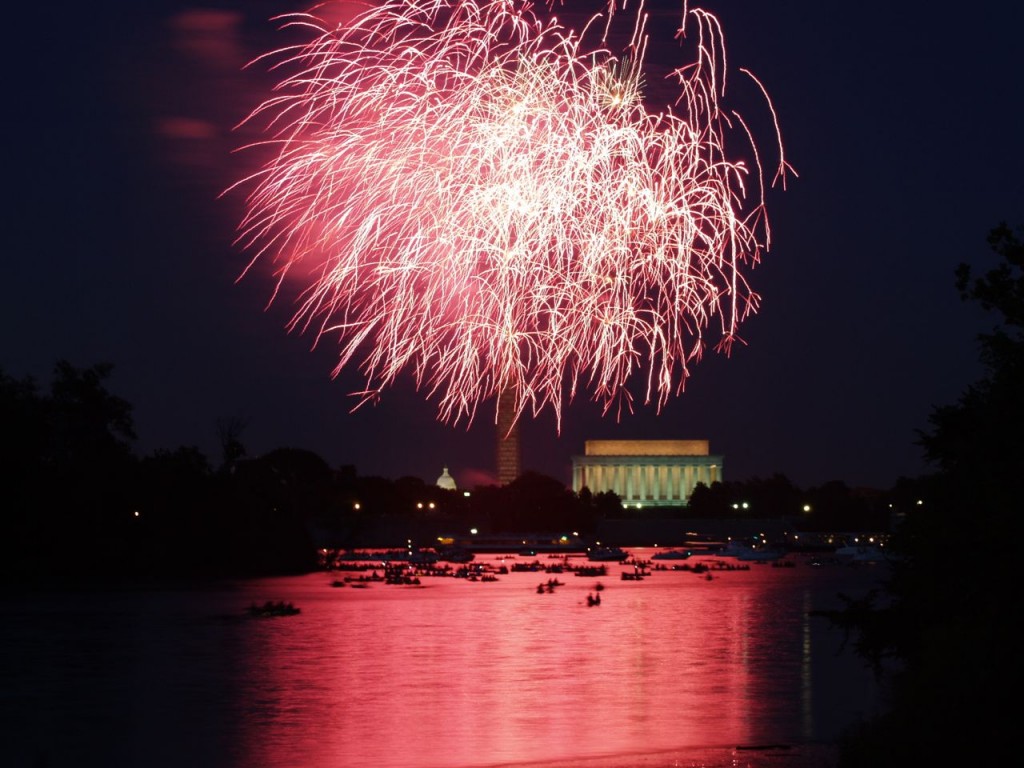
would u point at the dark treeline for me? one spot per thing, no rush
(81, 505)
(833, 506)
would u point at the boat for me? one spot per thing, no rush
(762, 554)
(607, 554)
(733, 548)
(672, 554)
(759, 552)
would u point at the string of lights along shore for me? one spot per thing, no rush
(476, 194)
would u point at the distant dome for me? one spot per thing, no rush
(446, 481)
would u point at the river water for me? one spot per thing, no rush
(674, 669)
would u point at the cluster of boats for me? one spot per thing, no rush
(754, 550)
(738, 550)
(406, 566)
(357, 559)
(744, 551)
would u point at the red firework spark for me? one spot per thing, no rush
(469, 193)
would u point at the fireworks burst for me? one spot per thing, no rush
(469, 193)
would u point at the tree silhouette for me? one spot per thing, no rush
(72, 491)
(952, 633)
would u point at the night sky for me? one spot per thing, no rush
(903, 121)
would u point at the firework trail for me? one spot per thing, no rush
(470, 193)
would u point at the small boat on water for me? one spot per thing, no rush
(591, 570)
(607, 554)
(753, 551)
(672, 554)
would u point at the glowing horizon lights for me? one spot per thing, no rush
(468, 193)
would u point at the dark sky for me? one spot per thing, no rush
(902, 120)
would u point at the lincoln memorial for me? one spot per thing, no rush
(646, 473)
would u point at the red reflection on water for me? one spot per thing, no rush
(458, 673)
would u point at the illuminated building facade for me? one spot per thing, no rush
(646, 473)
